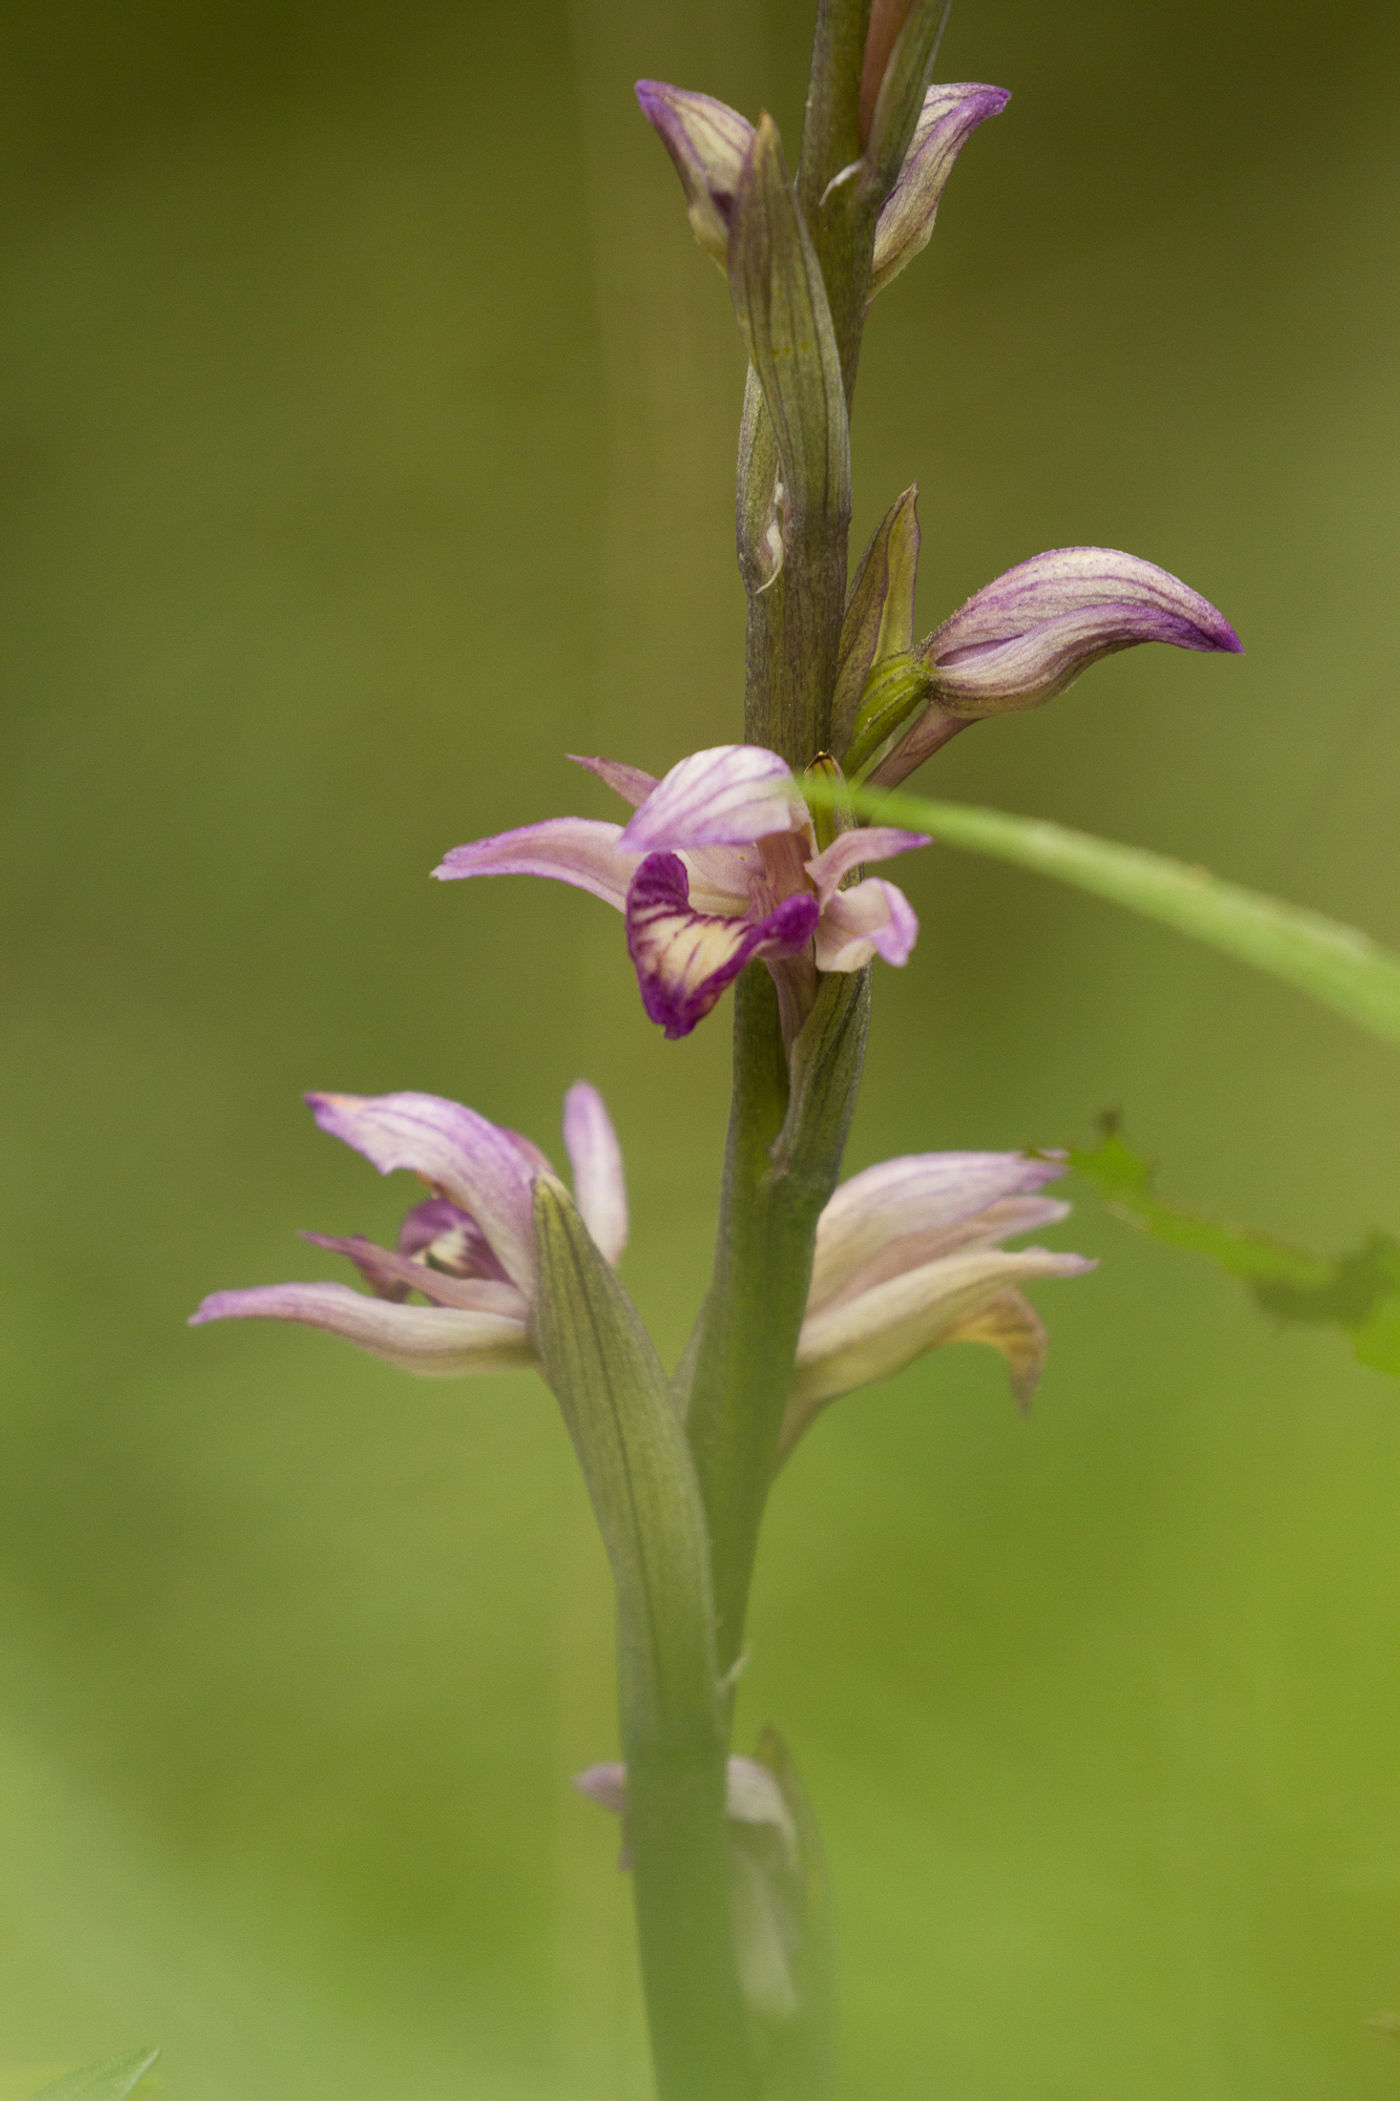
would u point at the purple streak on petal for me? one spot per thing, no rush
(848, 850)
(1000, 1221)
(685, 959)
(1026, 637)
(394, 1276)
(470, 1160)
(435, 1341)
(451, 1236)
(578, 850)
(913, 1194)
(874, 918)
(629, 782)
(731, 795)
(947, 120)
(600, 1188)
(709, 142)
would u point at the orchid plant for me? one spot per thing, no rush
(744, 867)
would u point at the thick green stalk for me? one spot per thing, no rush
(783, 1158)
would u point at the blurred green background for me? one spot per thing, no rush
(368, 443)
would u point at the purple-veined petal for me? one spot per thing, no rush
(1000, 1221)
(579, 850)
(1010, 1324)
(439, 1230)
(914, 1193)
(848, 850)
(600, 1188)
(469, 1159)
(709, 142)
(393, 1276)
(873, 918)
(1024, 638)
(684, 958)
(730, 795)
(629, 782)
(435, 1341)
(947, 120)
(878, 1332)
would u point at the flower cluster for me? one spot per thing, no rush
(908, 1254)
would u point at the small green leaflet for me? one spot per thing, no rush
(110, 2080)
(1359, 1292)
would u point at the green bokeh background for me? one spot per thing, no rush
(368, 444)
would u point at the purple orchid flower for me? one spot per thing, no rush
(710, 144)
(468, 1250)
(718, 868)
(1022, 640)
(908, 1257)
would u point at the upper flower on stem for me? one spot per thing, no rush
(468, 1250)
(718, 867)
(711, 144)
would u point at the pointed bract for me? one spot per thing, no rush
(709, 142)
(948, 118)
(879, 617)
(781, 306)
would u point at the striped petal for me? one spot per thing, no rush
(392, 1276)
(876, 1333)
(600, 1186)
(947, 120)
(1026, 637)
(709, 143)
(916, 1193)
(435, 1341)
(730, 795)
(848, 850)
(464, 1156)
(873, 918)
(1001, 1221)
(578, 850)
(629, 782)
(684, 958)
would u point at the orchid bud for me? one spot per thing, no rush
(1023, 639)
(947, 120)
(709, 142)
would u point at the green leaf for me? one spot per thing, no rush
(1338, 966)
(1359, 1292)
(901, 97)
(781, 304)
(110, 2080)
